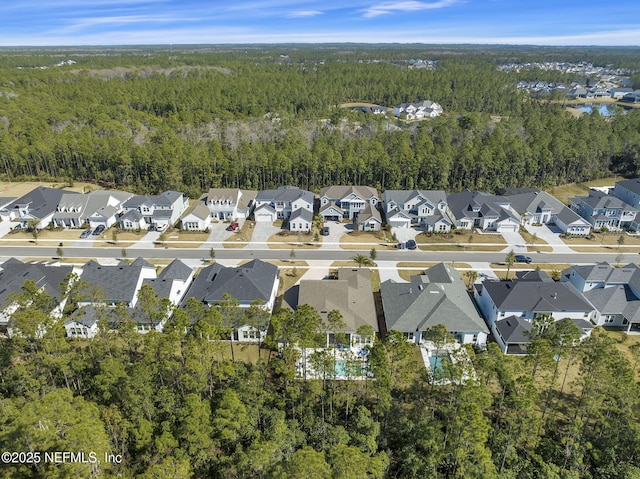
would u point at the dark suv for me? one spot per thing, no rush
(520, 258)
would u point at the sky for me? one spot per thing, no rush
(136, 22)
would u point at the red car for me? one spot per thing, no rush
(233, 226)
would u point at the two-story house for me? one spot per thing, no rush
(426, 208)
(629, 192)
(230, 203)
(100, 207)
(604, 211)
(280, 203)
(351, 200)
(479, 209)
(37, 206)
(154, 210)
(255, 280)
(614, 293)
(419, 110)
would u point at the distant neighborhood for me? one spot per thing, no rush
(474, 311)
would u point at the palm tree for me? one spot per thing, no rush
(510, 259)
(471, 277)
(362, 260)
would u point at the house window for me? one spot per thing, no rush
(251, 334)
(625, 321)
(608, 319)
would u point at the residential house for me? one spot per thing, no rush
(633, 97)
(539, 207)
(351, 294)
(157, 210)
(529, 296)
(368, 220)
(419, 110)
(111, 285)
(230, 203)
(604, 211)
(281, 203)
(133, 220)
(301, 220)
(39, 205)
(100, 207)
(47, 278)
(439, 296)
(478, 209)
(351, 199)
(197, 218)
(629, 192)
(170, 285)
(252, 281)
(427, 208)
(614, 293)
(331, 212)
(619, 93)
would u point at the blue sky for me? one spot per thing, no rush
(121, 22)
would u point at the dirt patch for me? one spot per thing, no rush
(18, 189)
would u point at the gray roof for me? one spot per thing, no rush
(42, 201)
(13, 274)
(118, 283)
(303, 214)
(437, 297)
(328, 206)
(533, 276)
(615, 300)
(199, 210)
(246, 283)
(604, 273)
(166, 198)
(286, 194)
(369, 212)
(400, 197)
(462, 204)
(232, 194)
(175, 271)
(351, 294)
(132, 215)
(598, 200)
(632, 185)
(338, 192)
(542, 297)
(514, 329)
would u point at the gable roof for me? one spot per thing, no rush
(437, 297)
(462, 205)
(199, 210)
(400, 197)
(369, 213)
(514, 329)
(331, 206)
(246, 283)
(13, 274)
(118, 283)
(286, 194)
(351, 294)
(302, 214)
(604, 273)
(536, 296)
(42, 201)
(632, 185)
(599, 200)
(166, 198)
(338, 192)
(615, 300)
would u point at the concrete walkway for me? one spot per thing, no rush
(552, 238)
(515, 241)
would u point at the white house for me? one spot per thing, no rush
(350, 199)
(198, 218)
(301, 220)
(230, 203)
(100, 207)
(39, 205)
(418, 111)
(283, 201)
(478, 209)
(158, 210)
(426, 208)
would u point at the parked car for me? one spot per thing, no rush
(325, 231)
(233, 226)
(411, 244)
(99, 229)
(86, 233)
(161, 227)
(520, 258)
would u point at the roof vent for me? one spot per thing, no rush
(555, 295)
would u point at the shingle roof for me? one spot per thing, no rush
(42, 201)
(369, 212)
(438, 297)
(13, 274)
(303, 214)
(285, 193)
(632, 185)
(251, 281)
(118, 283)
(514, 329)
(535, 296)
(615, 300)
(337, 192)
(351, 294)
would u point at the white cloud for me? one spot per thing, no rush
(304, 14)
(407, 6)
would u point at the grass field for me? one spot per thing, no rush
(303, 241)
(564, 192)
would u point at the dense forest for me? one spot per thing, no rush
(149, 120)
(180, 405)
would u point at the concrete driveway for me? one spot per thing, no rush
(5, 227)
(516, 242)
(388, 271)
(219, 232)
(336, 230)
(261, 233)
(405, 234)
(551, 235)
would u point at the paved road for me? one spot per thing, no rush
(631, 255)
